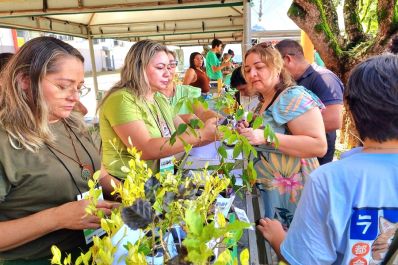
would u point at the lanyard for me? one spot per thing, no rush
(160, 121)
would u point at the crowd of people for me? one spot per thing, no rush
(313, 214)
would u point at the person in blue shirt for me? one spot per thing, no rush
(348, 212)
(323, 83)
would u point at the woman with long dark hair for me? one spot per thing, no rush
(196, 73)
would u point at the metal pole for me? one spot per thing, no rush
(247, 27)
(93, 68)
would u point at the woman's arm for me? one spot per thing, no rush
(190, 77)
(156, 148)
(70, 215)
(307, 140)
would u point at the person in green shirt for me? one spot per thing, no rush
(176, 93)
(134, 114)
(213, 64)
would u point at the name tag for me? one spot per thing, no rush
(90, 233)
(166, 165)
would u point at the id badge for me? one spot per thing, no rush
(90, 233)
(166, 165)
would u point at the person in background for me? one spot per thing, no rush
(46, 154)
(227, 71)
(196, 74)
(246, 97)
(318, 60)
(134, 114)
(348, 212)
(321, 81)
(293, 113)
(213, 64)
(232, 53)
(175, 93)
(4, 58)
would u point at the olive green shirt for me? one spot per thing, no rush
(32, 182)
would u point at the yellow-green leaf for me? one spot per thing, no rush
(244, 257)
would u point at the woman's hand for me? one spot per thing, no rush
(255, 137)
(242, 124)
(73, 215)
(208, 133)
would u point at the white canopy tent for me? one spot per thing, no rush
(170, 22)
(181, 22)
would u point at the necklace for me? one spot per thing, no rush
(86, 170)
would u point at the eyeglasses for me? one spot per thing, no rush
(172, 64)
(83, 90)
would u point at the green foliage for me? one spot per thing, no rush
(367, 11)
(296, 11)
(195, 215)
(172, 201)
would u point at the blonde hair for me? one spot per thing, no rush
(133, 73)
(24, 113)
(273, 60)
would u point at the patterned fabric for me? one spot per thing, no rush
(281, 177)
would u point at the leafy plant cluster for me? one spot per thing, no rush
(155, 203)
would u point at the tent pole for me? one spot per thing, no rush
(94, 69)
(246, 27)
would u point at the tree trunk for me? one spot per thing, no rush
(318, 18)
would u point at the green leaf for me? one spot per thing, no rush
(237, 150)
(223, 152)
(257, 122)
(194, 221)
(194, 123)
(249, 117)
(181, 128)
(239, 114)
(244, 257)
(56, 259)
(224, 258)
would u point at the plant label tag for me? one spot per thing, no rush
(166, 165)
(224, 204)
(242, 216)
(90, 233)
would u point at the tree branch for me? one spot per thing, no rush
(388, 26)
(352, 23)
(312, 19)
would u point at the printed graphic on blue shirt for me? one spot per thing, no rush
(371, 233)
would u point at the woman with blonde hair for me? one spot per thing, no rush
(46, 155)
(293, 112)
(134, 114)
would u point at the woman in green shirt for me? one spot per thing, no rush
(134, 114)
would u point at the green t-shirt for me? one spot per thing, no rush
(184, 92)
(122, 107)
(32, 182)
(212, 60)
